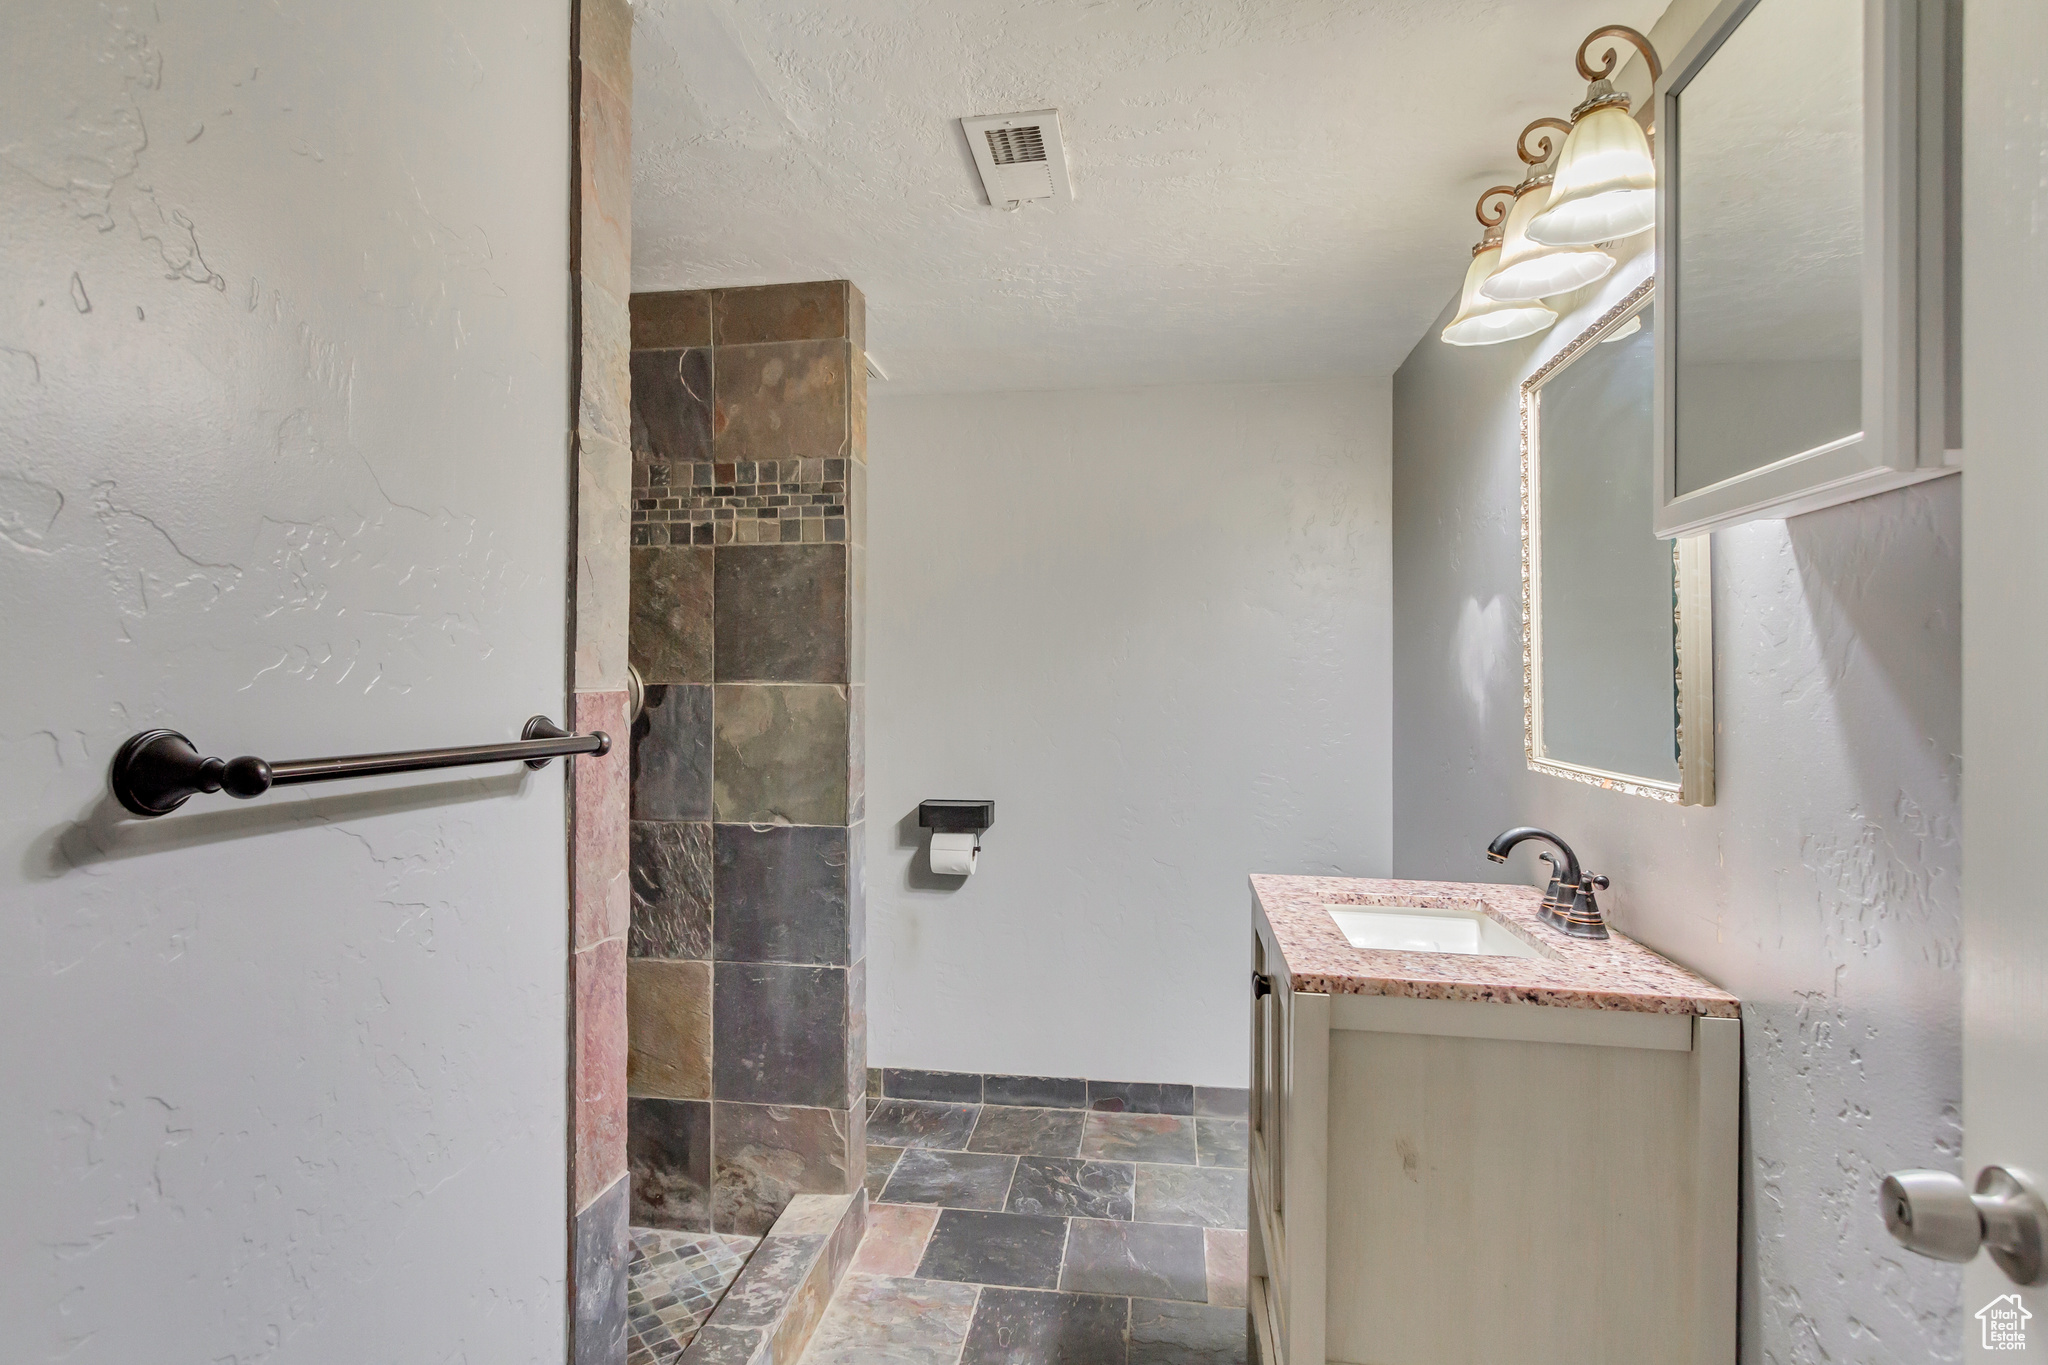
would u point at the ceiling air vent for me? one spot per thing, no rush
(1019, 156)
(1008, 146)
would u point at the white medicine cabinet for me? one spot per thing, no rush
(1808, 259)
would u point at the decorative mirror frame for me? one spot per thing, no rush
(1911, 275)
(1692, 610)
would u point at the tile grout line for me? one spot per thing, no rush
(972, 1313)
(1010, 1186)
(924, 1243)
(1208, 1273)
(1086, 1217)
(1066, 1239)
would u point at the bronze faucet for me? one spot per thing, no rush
(1569, 905)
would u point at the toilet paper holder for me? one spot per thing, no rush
(956, 818)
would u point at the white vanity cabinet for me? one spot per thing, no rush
(1444, 1181)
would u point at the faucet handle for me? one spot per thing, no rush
(1555, 902)
(1583, 919)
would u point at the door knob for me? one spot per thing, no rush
(1935, 1214)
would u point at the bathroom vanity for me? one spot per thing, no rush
(1477, 1140)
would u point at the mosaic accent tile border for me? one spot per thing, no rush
(746, 502)
(673, 1282)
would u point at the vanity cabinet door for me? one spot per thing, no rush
(1269, 1072)
(1272, 1262)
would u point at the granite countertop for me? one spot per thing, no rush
(1616, 973)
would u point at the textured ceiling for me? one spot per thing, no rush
(1264, 189)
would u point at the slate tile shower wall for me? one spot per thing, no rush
(746, 973)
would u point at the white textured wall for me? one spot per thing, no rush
(1822, 888)
(1153, 625)
(283, 393)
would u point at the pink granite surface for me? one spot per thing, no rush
(598, 1156)
(601, 893)
(1616, 973)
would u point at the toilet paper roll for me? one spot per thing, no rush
(953, 854)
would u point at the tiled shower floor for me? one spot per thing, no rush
(1043, 1236)
(673, 1282)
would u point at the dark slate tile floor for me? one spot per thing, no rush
(1045, 1236)
(954, 1180)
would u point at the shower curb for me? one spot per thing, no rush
(769, 1313)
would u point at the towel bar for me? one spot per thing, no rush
(157, 771)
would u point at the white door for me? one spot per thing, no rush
(2005, 619)
(284, 391)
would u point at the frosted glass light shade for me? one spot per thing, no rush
(1530, 270)
(1606, 185)
(1483, 322)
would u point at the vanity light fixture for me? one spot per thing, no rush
(1528, 269)
(1598, 187)
(1606, 182)
(1481, 321)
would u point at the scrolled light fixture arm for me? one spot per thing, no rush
(1610, 62)
(1612, 59)
(1545, 147)
(1500, 212)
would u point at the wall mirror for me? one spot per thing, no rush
(1617, 627)
(1803, 351)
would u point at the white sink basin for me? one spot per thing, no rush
(1423, 929)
